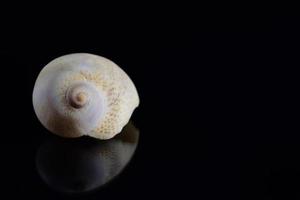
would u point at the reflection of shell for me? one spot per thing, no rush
(84, 94)
(85, 164)
(116, 153)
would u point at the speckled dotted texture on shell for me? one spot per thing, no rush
(115, 88)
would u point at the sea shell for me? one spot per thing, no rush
(84, 94)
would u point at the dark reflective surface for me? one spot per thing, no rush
(218, 118)
(85, 164)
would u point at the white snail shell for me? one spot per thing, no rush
(84, 94)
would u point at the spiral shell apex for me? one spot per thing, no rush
(84, 94)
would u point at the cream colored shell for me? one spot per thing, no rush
(84, 94)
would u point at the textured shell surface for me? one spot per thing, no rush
(84, 94)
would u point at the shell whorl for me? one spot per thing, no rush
(78, 96)
(84, 94)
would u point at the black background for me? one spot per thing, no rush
(217, 110)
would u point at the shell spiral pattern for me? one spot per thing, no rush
(84, 94)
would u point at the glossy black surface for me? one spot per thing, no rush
(218, 117)
(85, 164)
